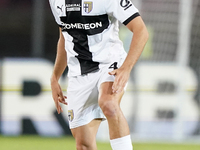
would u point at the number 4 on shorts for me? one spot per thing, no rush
(114, 66)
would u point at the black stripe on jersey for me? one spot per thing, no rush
(89, 25)
(79, 27)
(88, 66)
(131, 18)
(84, 57)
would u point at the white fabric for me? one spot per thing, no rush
(82, 96)
(123, 143)
(102, 45)
(120, 9)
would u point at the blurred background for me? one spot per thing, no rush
(162, 101)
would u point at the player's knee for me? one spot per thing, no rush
(82, 145)
(109, 108)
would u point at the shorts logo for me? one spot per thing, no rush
(88, 6)
(70, 115)
(125, 4)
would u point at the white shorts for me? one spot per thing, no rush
(82, 97)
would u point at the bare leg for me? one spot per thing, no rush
(85, 136)
(110, 105)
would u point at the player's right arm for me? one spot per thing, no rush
(59, 67)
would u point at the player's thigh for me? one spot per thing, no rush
(86, 134)
(106, 95)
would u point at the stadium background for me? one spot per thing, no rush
(162, 102)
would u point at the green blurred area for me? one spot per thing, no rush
(68, 143)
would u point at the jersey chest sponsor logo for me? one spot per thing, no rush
(86, 26)
(125, 4)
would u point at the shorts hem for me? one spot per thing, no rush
(84, 122)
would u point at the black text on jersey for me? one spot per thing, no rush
(125, 4)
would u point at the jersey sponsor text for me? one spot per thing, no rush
(86, 26)
(73, 7)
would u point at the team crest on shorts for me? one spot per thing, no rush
(70, 115)
(88, 6)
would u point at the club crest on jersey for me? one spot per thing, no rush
(71, 115)
(88, 6)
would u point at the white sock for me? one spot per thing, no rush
(123, 143)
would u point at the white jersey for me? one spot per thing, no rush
(90, 29)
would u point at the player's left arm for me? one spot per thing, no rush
(139, 39)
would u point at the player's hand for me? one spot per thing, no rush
(121, 78)
(57, 95)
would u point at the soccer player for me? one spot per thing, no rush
(98, 65)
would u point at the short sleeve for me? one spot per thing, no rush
(54, 11)
(122, 10)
